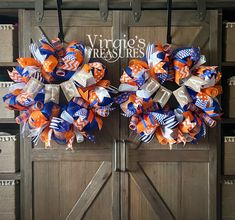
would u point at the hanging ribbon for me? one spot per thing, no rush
(169, 10)
(61, 32)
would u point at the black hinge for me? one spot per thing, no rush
(39, 4)
(103, 5)
(136, 9)
(201, 8)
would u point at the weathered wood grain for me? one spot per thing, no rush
(156, 202)
(91, 191)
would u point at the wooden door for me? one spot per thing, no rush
(160, 183)
(60, 184)
(153, 182)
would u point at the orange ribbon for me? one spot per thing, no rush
(46, 68)
(213, 91)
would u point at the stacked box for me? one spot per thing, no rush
(9, 196)
(229, 41)
(229, 155)
(8, 42)
(4, 112)
(9, 153)
(228, 198)
(231, 110)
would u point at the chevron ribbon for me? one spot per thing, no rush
(71, 65)
(16, 77)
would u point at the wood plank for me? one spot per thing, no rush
(214, 143)
(160, 18)
(46, 190)
(26, 188)
(195, 191)
(202, 37)
(169, 155)
(124, 196)
(23, 210)
(117, 5)
(78, 155)
(166, 178)
(158, 34)
(151, 194)
(101, 208)
(72, 18)
(124, 156)
(115, 81)
(116, 196)
(139, 205)
(91, 191)
(74, 178)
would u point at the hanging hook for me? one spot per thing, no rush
(169, 10)
(61, 32)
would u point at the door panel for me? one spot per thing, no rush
(58, 185)
(79, 184)
(177, 183)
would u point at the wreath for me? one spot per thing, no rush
(36, 93)
(170, 95)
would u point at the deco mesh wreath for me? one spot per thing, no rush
(37, 88)
(147, 101)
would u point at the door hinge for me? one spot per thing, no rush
(120, 156)
(103, 6)
(39, 10)
(136, 9)
(201, 8)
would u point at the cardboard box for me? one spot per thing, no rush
(4, 112)
(8, 43)
(231, 110)
(229, 155)
(9, 200)
(9, 153)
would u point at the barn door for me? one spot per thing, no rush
(61, 184)
(159, 183)
(153, 182)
